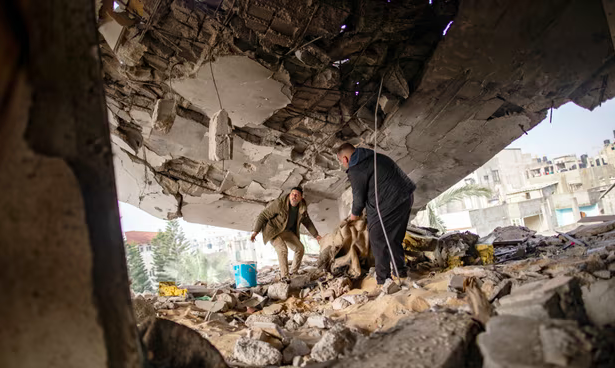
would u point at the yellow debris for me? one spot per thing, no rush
(486, 252)
(168, 288)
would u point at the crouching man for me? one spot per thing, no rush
(280, 222)
(395, 197)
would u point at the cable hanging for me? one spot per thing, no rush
(386, 237)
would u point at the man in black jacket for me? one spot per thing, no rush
(395, 197)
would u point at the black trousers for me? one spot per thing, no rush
(395, 222)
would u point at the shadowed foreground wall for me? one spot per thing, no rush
(65, 297)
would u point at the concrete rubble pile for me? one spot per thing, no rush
(550, 308)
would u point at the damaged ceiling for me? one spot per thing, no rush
(297, 78)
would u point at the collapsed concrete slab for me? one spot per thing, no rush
(438, 340)
(296, 87)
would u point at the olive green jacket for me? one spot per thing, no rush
(272, 221)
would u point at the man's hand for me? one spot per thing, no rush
(318, 238)
(353, 217)
(253, 237)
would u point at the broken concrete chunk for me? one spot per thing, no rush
(143, 308)
(296, 348)
(131, 52)
(599, 299)
(273, 309)
(604, 274)
(299, 282)
(561, 346)
(256, 353)
(456, 283)
(164, 115)
(220, 137)
(278, 291)
(340, 303)
(273, 330)
(356, 298)
(229, 299)
(252, 319)
(319, 322)
(512, 341)
(214, 307)
(592, 230)
(335, 342)
(560, 297)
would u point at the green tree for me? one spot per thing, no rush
(452, 195)
(136, 269)
(199, 266)
(168, 247)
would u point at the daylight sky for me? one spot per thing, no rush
(574, 130)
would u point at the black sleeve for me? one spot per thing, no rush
(358, 182)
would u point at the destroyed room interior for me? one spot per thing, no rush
(213, 112)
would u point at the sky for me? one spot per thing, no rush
(574, 130)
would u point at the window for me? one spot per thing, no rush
(148, 248)
(496, 176)
(470, 181)
(486, 177)
(527, 195)
(517, 222)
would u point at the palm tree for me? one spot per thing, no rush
(452, 195)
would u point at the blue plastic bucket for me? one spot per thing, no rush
(245, 274)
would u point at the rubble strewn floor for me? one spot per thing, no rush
(550, 307)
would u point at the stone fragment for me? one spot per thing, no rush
(390, 287)
(516, 342)
(273, 330)
(340, 303)
(456, 283)
(273, 309)
(561, 346)
(388, 103)
(143, 308)
(164, 115)
(335, 342)
(299, 282)
(229, 299)
(131, 52)
(296, 348)
(252, 319)
(260, 335)
(604, 274)
(163, 339)
(560, 297)
(599, 299)
(256, 353)
(319, 322)
(356, 298)
(592, 230)
(220, 137)
(438, 340)
(214, 307)
(278, 291)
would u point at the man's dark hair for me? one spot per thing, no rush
(344, 147)
(298, 189)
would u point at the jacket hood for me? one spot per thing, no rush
(359, 155)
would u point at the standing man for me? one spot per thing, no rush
(395, 197)
(280, 222)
